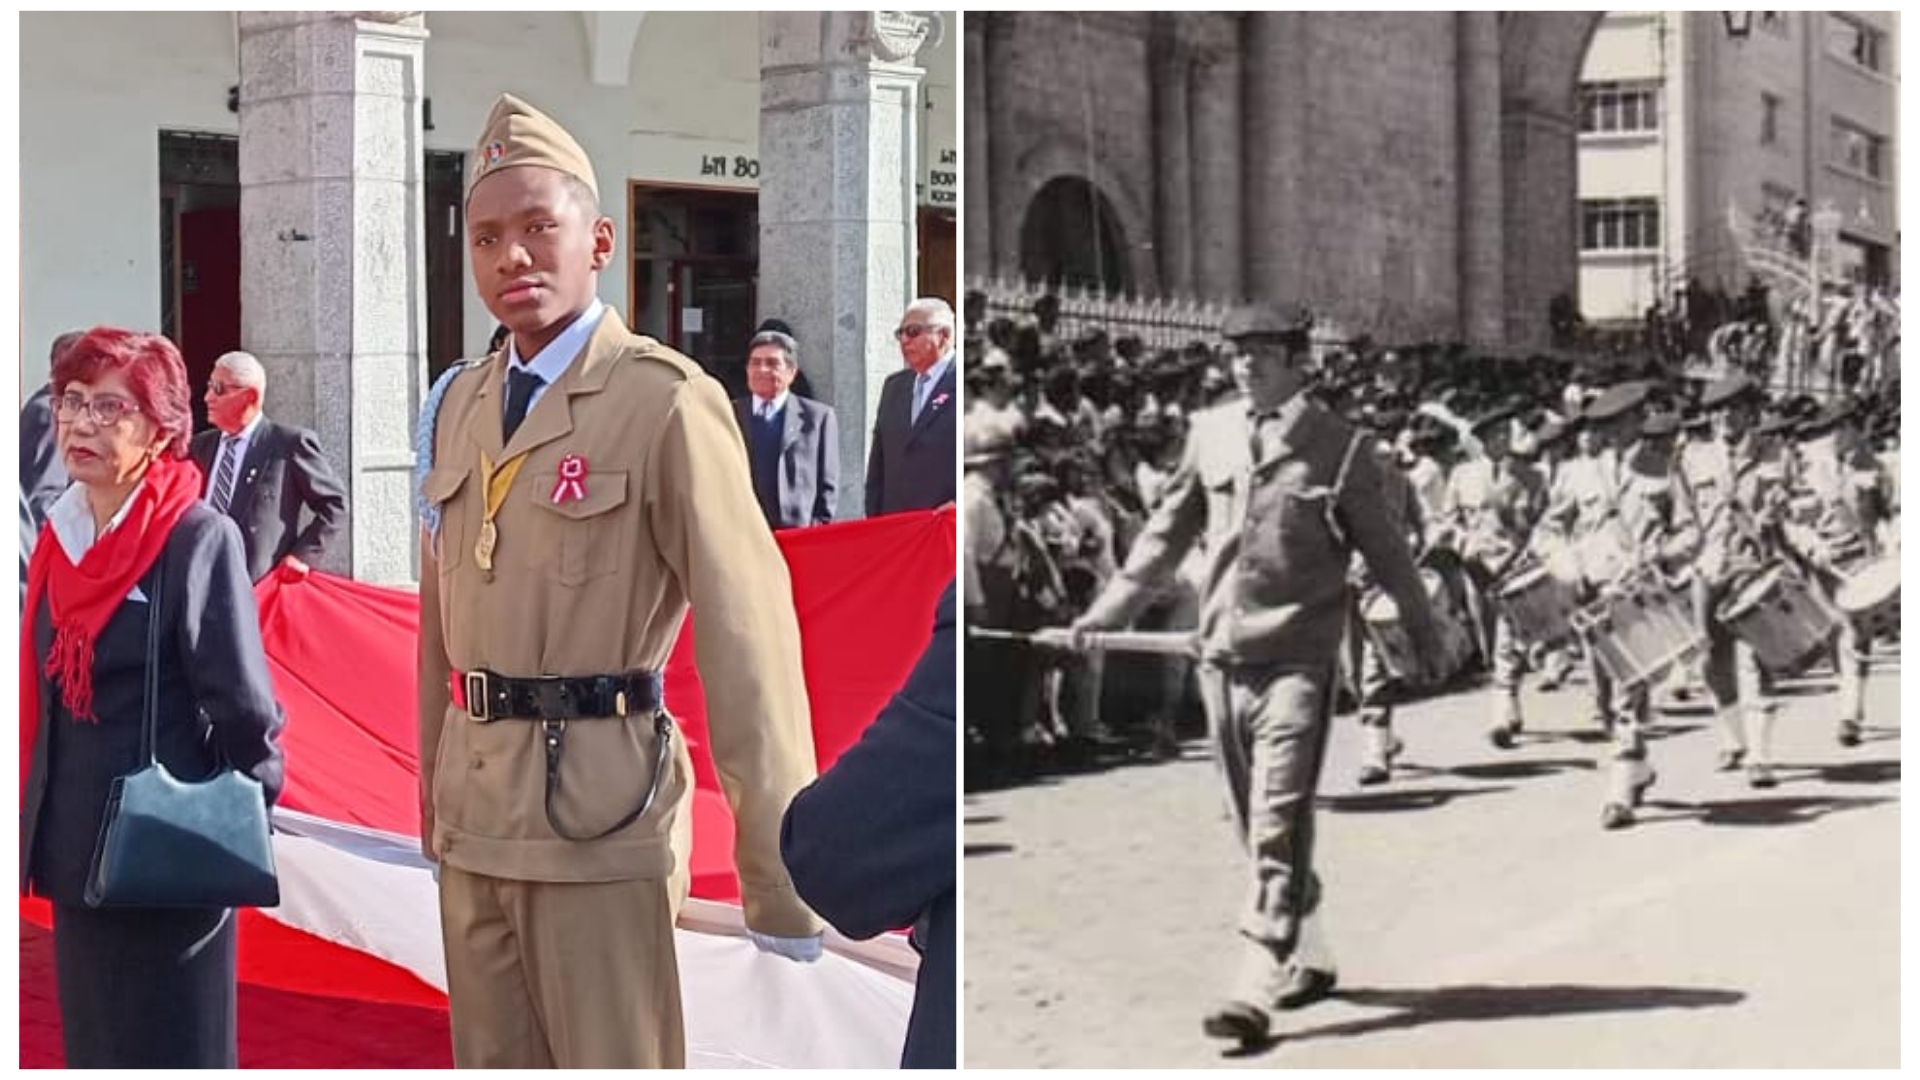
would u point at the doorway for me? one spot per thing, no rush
(696, 270)
(939, 256)
(200, 252)
(446, 262)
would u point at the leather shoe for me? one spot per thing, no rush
(1760, 775)
(1240, 1021)
(1849, 733)
(1640, 789)
(1372, 774)
(1615, 816)
(1305, 985)
(1501, 737)
(1730, 760)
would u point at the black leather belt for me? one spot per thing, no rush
(487, 696)
(553, 700)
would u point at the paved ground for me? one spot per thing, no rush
(1480, 916)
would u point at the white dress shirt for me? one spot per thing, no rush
(237, 446)
(71, 517)
(554, 360)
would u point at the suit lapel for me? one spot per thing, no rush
(552, 416)
(259, 452)
(794, 425)
(939, 400)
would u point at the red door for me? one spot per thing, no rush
(209, 293)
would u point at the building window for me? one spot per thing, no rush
(1850, 39)
(1769, 119)
(1619, 107)
(1619, 225)
(1858, 150)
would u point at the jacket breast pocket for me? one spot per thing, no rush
(1286, 530)
(444, 488)
(581, 539)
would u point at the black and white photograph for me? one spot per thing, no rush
(1431, 512)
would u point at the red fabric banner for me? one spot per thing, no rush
(343, 660)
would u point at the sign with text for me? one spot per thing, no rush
(683, 159)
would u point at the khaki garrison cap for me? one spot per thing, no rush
(516, 133)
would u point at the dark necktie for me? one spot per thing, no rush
(224, 475)
(520, 387)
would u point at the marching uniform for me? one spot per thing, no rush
(555, 786)
(1379, 690)
(1280, 502)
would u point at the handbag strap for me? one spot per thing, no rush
(150, 706)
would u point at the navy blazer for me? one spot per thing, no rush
(808, 479)
(216, 697)
(914, 465)
(870, 844)
(284, 472)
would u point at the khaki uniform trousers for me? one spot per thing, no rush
(569, 975)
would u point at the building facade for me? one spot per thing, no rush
(1705, 136)
(1406, 175)
(292, 183)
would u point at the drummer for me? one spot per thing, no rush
(1379, 689)
(1492, 504)
(1657, 511)
(1836, 546)
(1722, 474)
(1551, 444)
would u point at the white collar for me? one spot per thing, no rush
(763, 407)
(71, 516)
(552, 362)
(245, 434)
(939, 369)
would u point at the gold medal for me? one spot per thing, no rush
(483, 551)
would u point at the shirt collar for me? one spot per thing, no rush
(71, 517)
(552, 362)
(763, 407)
(939, 370)
(245, 434)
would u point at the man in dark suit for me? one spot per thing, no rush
(913, 462)
(262, 474)
(866, 872)
(793, 443)
(43, 476)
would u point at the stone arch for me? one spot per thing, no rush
(1541, 54)
(1062, 156)
(1071, 235)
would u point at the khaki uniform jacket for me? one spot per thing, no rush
(1279, 531)
(601, 585)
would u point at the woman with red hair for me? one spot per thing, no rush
(128, 542)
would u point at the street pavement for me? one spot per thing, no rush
(1479, 915)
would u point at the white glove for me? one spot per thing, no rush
(804, 950)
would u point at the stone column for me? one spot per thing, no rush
(839, 100)
(1218, 229)
(1482, 221)
(1276, 153)
(333, 298)
(1003, 142)
(1172, 63)
(975, 152)
(1541, 204)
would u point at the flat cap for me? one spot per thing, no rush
(1825, 420)
(1617, 400)
(518, 134)
(1723, 392)
(1265, 320)
(1659, 424)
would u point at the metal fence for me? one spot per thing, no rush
(1159, 323)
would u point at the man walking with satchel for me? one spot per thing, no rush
(585, 485)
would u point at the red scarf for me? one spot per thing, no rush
(85, 596)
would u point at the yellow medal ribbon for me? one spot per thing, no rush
(497, 484)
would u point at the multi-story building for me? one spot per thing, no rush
(1707, 136)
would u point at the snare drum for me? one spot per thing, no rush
(1381, 617)
(1541, 605)
(1782, 617)
(1640, 628)
(1871, 594)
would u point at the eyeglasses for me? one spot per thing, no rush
(914, 330)
(106, 410)
(222, 389)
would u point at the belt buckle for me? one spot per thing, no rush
(478, 704)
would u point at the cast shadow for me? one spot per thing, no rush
(1413, 1008)
(1395, 800)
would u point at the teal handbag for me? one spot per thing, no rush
(168, 843)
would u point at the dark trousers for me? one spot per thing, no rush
(148, 988)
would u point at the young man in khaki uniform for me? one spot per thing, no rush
(1280, 492)
(586, 485)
